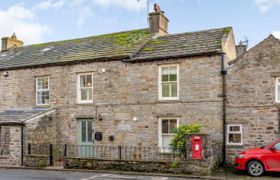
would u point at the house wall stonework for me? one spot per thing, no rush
(122, 92)
(13, 157)
(251, 96)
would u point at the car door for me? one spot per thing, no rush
(272, 158)
(85, 139)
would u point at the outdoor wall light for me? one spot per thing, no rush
(111, 138)
(100, 117)
(6, 74)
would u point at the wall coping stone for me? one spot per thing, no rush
(123, 160)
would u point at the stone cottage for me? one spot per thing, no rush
(253, 98)
(125, 88)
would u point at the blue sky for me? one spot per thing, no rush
(37, 21)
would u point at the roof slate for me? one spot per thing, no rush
(17, 116)
(183, 44)
(132, 46)
(109, 46)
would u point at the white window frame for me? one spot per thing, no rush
(79, 100)
(276, 89)
(42, 90)
(234, 132)
(160, 82)
(160, 131)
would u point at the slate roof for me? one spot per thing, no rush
(133, 46)
(17, 116)
(183, 44)
(103, 47)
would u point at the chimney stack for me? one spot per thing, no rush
(241, 48)
(10, 42)
(158, 22)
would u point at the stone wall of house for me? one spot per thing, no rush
(125, 91)
(43, 129)
(13, 157)
(4, 140)
(251, 96)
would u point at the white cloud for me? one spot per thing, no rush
(50, 4)
(131, 5)
(266, 5)
(23, 22)
(81, 10)
(276, 34)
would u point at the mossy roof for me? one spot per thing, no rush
(184, 44)
(135, 45)
(108, 46)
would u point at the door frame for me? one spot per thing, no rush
(85, 149)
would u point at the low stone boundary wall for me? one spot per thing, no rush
(186, 167)
(212, 156)
(212, 153)
(32, 160)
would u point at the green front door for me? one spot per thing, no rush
(85, 140)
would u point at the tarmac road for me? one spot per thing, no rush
(24, 174)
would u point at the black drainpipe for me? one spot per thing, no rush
(224, 73)
(22, 148)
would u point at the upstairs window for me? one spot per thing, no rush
(42, 90)
(169, 82)
(234, 134)
(277, 89)
(85, 88)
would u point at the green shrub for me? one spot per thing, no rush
(174, 164)
(42, 163)
(178, 142)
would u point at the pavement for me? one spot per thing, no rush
(57, 173)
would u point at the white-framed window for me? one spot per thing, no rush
(168, 82)
(166, 130)
(42, 91)
(277, 90)
(234, 134)
(85, 88)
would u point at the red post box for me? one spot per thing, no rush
(197, 147)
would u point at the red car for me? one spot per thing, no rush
(259, 160)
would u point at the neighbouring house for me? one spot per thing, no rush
(125, 88)
(253, 96)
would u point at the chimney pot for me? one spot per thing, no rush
(10, 42)
(156, 8)
(158, 22)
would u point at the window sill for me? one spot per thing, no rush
(4, 156)
(43, 106)
(234, 146)
(168, 100)
(84, 103)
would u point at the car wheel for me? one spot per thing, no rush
(255, 168)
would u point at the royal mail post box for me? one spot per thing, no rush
(196, 147)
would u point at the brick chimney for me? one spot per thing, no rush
(158, 22)
(9, 42)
